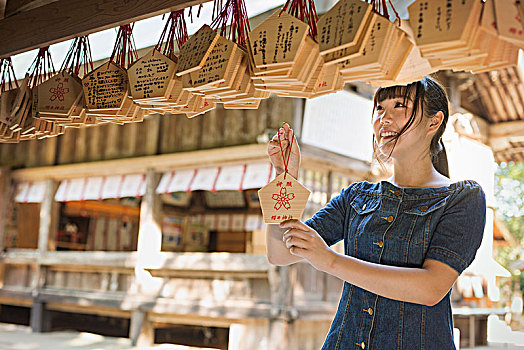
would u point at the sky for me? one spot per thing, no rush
(146, 33)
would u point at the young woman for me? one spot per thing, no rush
(406, 239)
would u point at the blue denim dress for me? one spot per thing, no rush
(385, 224)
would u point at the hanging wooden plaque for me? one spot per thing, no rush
(7, 100)
(435, 22)
(414, 66)
(284, 198)
(217, 65)
(58, 96)
(196, 49)
(509, 23)
(343, 25)
(277, 40)
(105, 87)
(150, 76)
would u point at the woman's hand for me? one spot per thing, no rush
(303, 241)
(275, 154)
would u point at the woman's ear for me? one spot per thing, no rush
(435, 122)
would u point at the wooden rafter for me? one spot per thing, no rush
(3, 4)
(65, 19)
(507, 129)
(16, 6)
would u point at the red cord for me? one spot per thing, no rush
(289, 153)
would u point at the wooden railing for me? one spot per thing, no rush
(203, 284)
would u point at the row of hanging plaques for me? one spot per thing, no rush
(281, 57)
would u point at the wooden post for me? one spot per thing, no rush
(150, 228)
(5, 191)
(141, 330)
(283, 314)
(149, 245)
(40, 318)
(472, 331)
(46, 216)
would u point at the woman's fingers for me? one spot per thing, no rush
(305, 236)
(293, 223)
(295, 242)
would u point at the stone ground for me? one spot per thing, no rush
(13, 337)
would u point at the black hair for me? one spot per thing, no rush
(431, 97)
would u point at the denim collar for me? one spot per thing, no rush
(386, 188)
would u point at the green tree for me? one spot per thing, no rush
(509, 192)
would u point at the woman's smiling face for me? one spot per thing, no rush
(390, 117)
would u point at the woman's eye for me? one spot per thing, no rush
(399, 104)
(379, 108)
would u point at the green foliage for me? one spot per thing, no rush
(509, 192)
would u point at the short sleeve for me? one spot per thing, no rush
(329, 221)
(459, 232)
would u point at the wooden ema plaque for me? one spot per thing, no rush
(355, 50)
(277, 40)
(509, 22)
(56, 98)
(296, 80)
(238, 85)
(218, 65)
(500, 52)
(150, 76)
(439, 23)
(15, 111)
(196, 49)
(201, 106)
(105, 87)
(382, 56)
(283, 199)
(479, 47)
(343, 25)
(413, 66)
(7, 100)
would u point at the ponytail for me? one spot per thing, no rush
(440, 160)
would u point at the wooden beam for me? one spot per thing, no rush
(501, 135)
(507, 129)
(317, 158)
(512, 153)
(164, 162)
(16, 6)
(16, 300)
(92, 310)
(220, 262)
(66, 19)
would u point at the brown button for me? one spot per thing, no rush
(396, 193)
(369, 311)
(364, 207)
(390, 218)
(362, 345)
(424, 208)
(380, 244)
